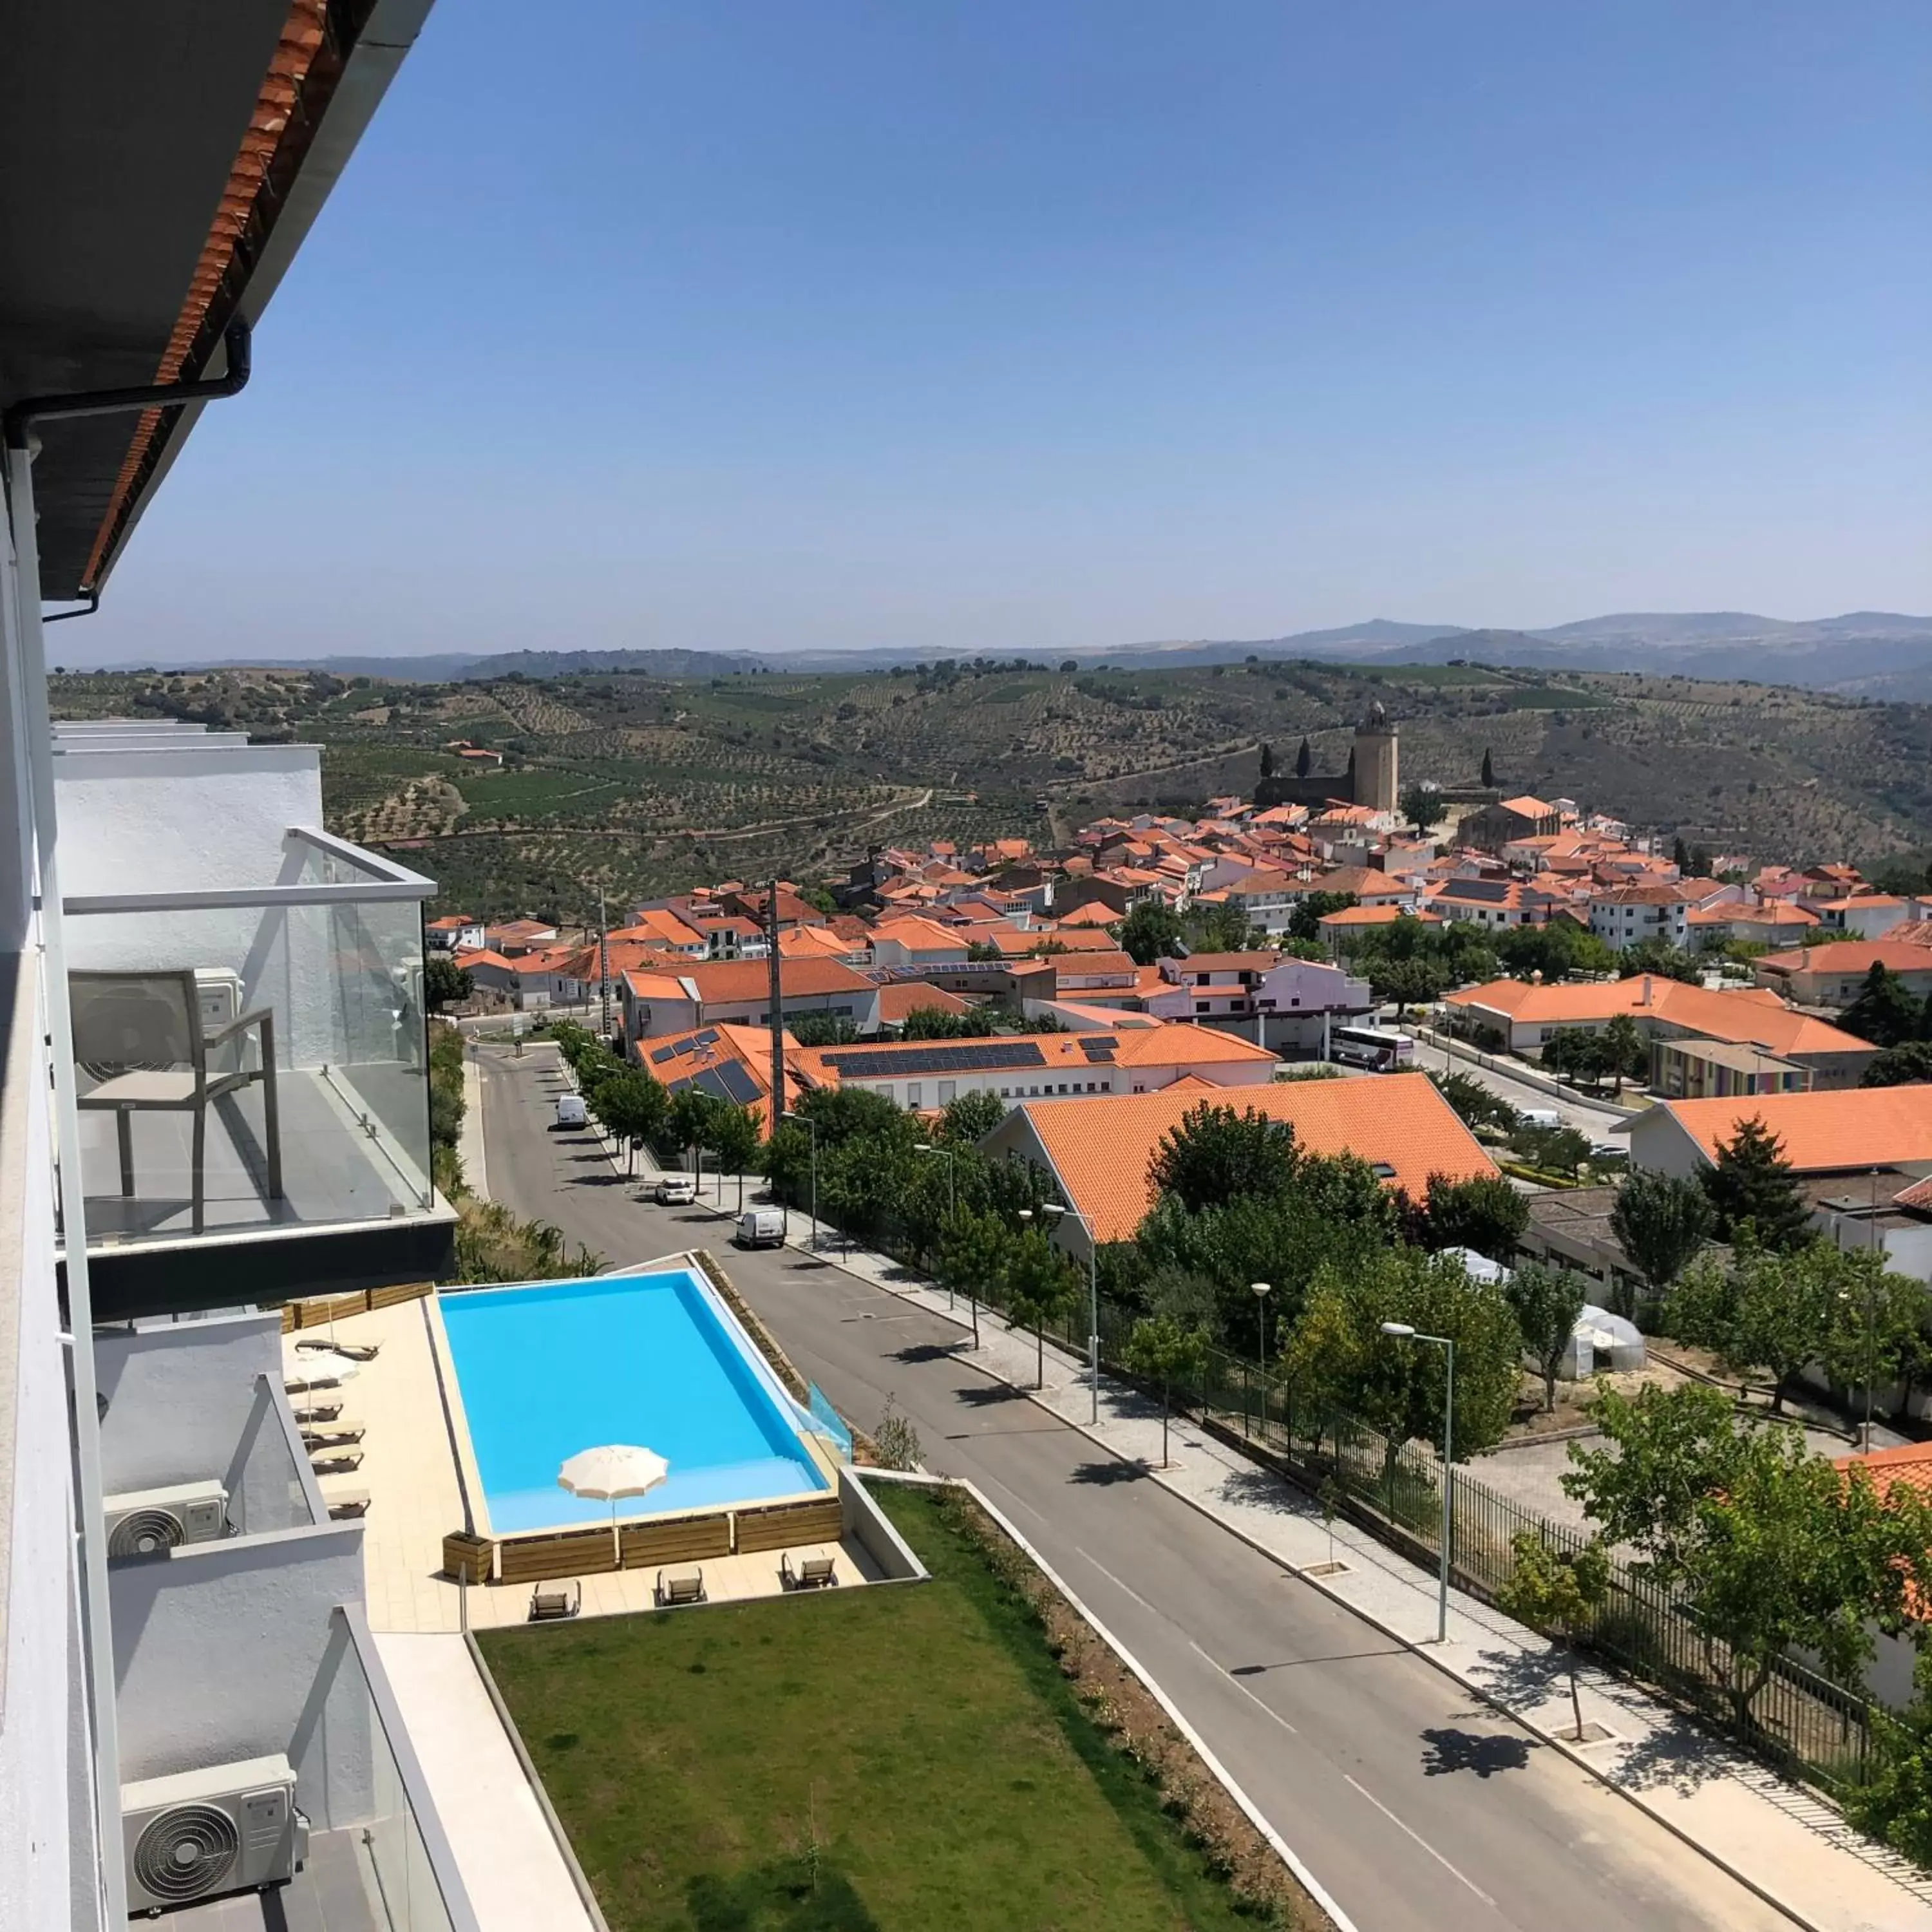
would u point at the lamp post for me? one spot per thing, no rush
(1402, 1332)
(1055, 1209)
(949, 1156)
(1261, 1289)
(811, 1127)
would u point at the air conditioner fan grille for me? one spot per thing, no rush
(142, 1532)
(186, 1852)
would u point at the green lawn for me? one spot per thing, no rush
(869, 1760)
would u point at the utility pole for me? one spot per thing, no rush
(775, 992)
(604, 961)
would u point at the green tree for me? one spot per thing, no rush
(1475, 1104)
(1149, 932)
(1548, 1302)
(934, 1023)
(1337, 1356)
(1488, 771)
(1407, 981)
(973, 1258)
(1312, 908)
(1558, 949)
(1557, 1592)
(1751, 1186)
(1770, 1311)
(1884, 1012)
(1766, 1547)
(1893, 1804)
(969, 1117)
(1041, 1284)
(1905, 1065)
(632, 1105)
(732, 1135)
(1216, 1155)
(1222, 927)
(1267, 761)
(1661, 1222)
(1164, 1349)
(1422, 805)
(1484, 1213)
(1622, 1050)
(821, 1029)
(445, 983)
(1304, 760)
(1660, 957)
(1575, 1052)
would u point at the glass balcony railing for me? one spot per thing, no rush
(377, 1853)
(253, 1058)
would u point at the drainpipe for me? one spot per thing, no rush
(37, 733)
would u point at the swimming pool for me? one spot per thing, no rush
(650, 1358)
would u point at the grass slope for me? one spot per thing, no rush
(869, 1759)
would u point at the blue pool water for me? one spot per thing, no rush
(648, 1359)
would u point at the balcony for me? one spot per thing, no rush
(253, 1083)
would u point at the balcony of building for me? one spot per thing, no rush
(251, 1057)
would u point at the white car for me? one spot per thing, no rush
(677, 1190)
(571, 1111)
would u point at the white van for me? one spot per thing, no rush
(761, 1228)
(1539, 1116)
(571, 1111)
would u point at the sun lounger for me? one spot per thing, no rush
(352, 1351)
(333, 1435)
(336, 1462)
(309, 1413)
(327, 1378)
(563, 1600)
(343, 1503)
(680, 1586)
(815, 1569)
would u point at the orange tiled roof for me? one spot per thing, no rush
(1752, 1015)
(1100, 1144)
(896, 1001)
(1822, 1132)
(1854, 956)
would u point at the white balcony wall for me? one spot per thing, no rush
(200, 1399)
(227, 1651)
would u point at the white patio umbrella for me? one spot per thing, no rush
(616, 1470)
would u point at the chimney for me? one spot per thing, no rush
(1646, 989)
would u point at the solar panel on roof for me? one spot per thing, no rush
(885, 1063)
(660, 1055)
(1097, 1045)
(738, 1083)
(1102, 1054)
(707, 1038)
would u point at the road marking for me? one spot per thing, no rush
(1119, 1585)
(1018, 1500)
(1422, 1841)
(1243, 1689)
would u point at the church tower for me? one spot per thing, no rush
(1377, 783)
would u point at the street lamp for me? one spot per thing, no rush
(1261, 1290)
(949, 1155)
(1402, 1332)
(810, 1126)
(1054, 1208)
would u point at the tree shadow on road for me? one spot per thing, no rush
(1485, 1752)
(1106, 1473)
(917, 1352)
(989, 1395)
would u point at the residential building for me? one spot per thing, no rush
(1337, 929)
(1834, 974)
(1862, 915)
(1510, 819)
(655, 1003)
(1625, 916)
(1697, 1069)
(917, 942)
(1097, 1150)
(176, 926)
(1286, 1004)
(1016, 1067)
(1823, 1134)
(1519, 1016)
(454, 932)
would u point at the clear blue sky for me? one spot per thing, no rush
(756, 323)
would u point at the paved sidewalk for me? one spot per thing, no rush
(515, 1875)
(1782, 1840)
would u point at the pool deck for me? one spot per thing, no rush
(409, 1471)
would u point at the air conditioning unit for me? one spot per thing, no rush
(199, 1833)
(141, 1522)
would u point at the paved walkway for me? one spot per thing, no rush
(515, 1875)
(1783, 1840)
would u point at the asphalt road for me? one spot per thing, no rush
(1418, 1808)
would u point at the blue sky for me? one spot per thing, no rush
(969, 323)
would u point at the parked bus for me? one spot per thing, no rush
(1381, 1049)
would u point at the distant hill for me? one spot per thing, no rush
(1875, 653)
